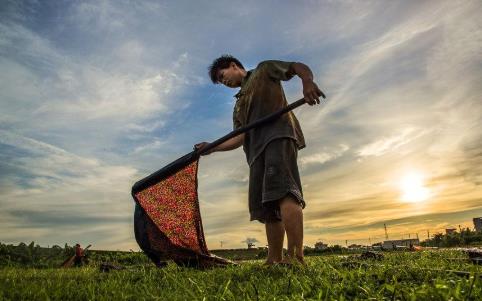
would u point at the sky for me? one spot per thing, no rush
(95, 95)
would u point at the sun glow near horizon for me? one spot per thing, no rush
(413, 188)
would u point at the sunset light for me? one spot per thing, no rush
(152, 149)
(413, 189)
(97, 95)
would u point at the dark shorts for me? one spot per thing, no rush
(272, 176)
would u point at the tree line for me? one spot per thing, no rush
(464, 238)
(33, 255)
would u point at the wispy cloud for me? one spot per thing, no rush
(49, 181)
(392, 143)
(324, 157)
(156, 144)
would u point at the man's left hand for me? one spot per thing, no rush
(312, 93)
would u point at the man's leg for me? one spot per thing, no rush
(292, 217)
(275, 232)
(281, 175)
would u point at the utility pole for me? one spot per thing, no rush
(346, 243)
(428, 234)
(221, 242)
(408, 235)
(417, 235)
(386, 233)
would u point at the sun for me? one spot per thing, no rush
(413, 189)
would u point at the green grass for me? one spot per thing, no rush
(400, 276)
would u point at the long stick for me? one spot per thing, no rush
(257, 123)
(194, 155)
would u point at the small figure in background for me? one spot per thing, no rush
(78, 259)
(79, 256)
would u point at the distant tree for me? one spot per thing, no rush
(438, 239)
(250, 241)
(465, 237)
(68, 251)
(453, 239)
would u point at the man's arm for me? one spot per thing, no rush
(227, 145)
(311, 92)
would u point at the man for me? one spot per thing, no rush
(79, 255)
(275, 193)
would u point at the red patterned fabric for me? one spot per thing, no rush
(173, 206)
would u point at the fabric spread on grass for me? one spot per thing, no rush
(168, 219)
(173, 206)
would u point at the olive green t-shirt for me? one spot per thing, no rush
(261, 94)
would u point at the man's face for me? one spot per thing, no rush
(232, 76)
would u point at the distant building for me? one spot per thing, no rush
(355, 246)
(478, 224)
(393, 244)
(320, 246)
(378, 245)
(450, 230)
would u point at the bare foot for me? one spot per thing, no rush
(269, 263)
(301, 260)
(290, 261)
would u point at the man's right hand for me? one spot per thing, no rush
(227, 145)
(311, 92)
(200, 146)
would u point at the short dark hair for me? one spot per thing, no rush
(222, 62)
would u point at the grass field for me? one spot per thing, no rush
(427, 275)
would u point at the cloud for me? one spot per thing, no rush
(60, 218)
(61, 186)
(146, 127)
(83, 89)
(151, 146)
(404, 225)
(103, 14)
(388, 144)
(65, 95)
(46, 160)
(321, 158)
(112, 96)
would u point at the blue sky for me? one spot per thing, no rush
(95, 95)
